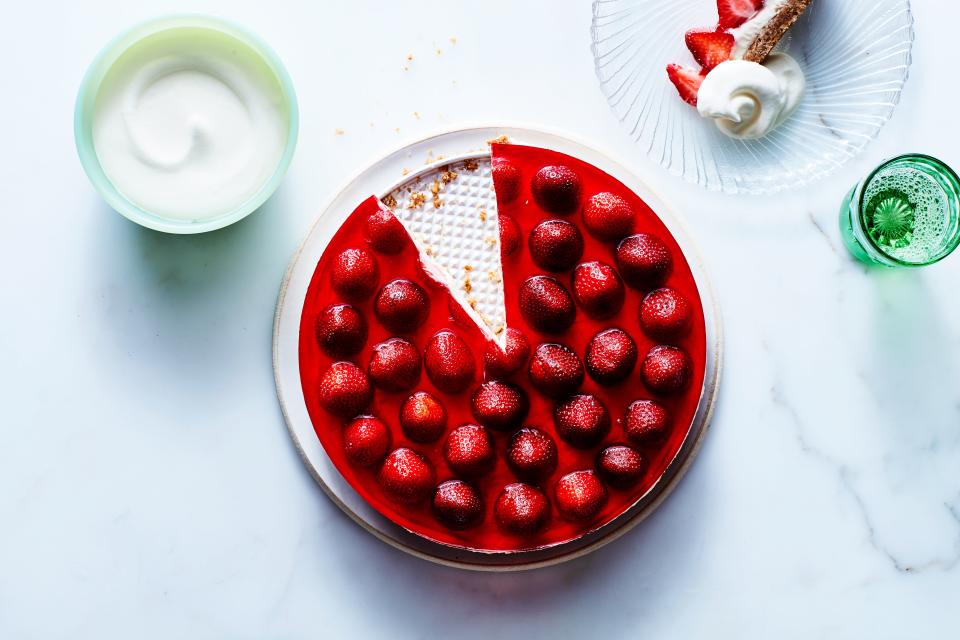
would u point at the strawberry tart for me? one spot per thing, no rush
(747, 90)
(531, 413)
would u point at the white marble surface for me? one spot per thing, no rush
(149, 488)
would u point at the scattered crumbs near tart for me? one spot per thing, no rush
(448, 176)
(397, 130)
(404, 171)
(453, 39)
(371, 125)
(339, 132)
(483, 215)
(471, 164)
(409, 56)
(389, 201)
(416, 114)
(439, 51)
(499, 140)
(416, 200)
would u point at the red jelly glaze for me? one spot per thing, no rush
(420, 517)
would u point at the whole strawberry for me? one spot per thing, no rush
(449, 362)
(580, 495)
(422, 417)
(666, 370)
(500, 406)
(500, 363)
(531, 454)
(611, 356)
(556, 189)
(665, 314)
(506, 180)
(469, 451)
(355, 274)
(607, 216)
(394, 365)
(646, 421)
(385, 232)
(365, 441)
(401, 306)
(521, 509)
(598, 289)
(509, 235)
(582, 421)
(555, 245)
(620, 466)
(555, 370)
(546, 305)
(457, 505)
(406, 476)
(344, 390)
(341, 330)
(644, 261)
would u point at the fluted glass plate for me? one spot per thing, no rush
(855, 55)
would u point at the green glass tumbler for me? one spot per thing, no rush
(906, 213)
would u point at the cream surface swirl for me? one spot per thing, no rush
(749, 100)
(189, 125)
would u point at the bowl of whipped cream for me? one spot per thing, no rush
(186, 124)
(686, 82)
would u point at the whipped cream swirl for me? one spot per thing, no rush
(748, 100)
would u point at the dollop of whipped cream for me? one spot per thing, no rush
(748, 100)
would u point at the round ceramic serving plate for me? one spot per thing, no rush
(855, 55)
(386, 176)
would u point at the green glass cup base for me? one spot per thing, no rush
(856, 214)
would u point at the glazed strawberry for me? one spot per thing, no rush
(531, 454)
(709, 48)
(620, 466)
(385, 232)
(394, 365)
(406, 476)
(355, 274)
(365, 441)
(468, 450)
(598, 289)
(556, 189)
(555, 245)
(401, 306)
(457, 505)
(687, 81)
(665, 314)
(509, 235)
(582, 421)
(422, 417)
(734, 13)
(580, 495)
(506, 180)
(341, 331)
(646, 421)
(449, 362)
(521, 509)
(555, 370)
(607, 216)
(500, 406)
(546, 305)
(644, 261)
(666, 370)
(611, 356)
(345, 390)
(500, 363)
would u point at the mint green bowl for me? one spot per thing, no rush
(90, 89)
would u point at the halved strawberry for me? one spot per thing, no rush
(687, 81)
(709, 48)
(734, 13)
